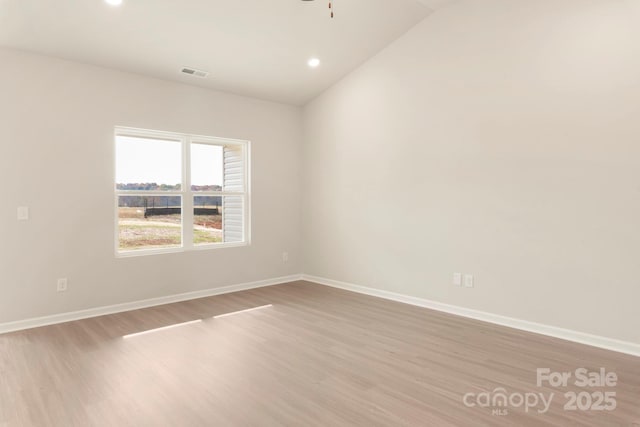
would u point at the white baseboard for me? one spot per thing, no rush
(552, 331)
(135, 305)
(538, 328)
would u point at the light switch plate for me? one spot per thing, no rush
(23, 213)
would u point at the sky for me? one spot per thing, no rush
(141, 160)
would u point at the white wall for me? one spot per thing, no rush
(57, 157)
(499, 138)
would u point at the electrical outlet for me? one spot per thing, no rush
(62, 285)
(468, 280)
(285, 256)
(457, 279)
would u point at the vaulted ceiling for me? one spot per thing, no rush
(252, 47)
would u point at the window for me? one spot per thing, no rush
(178, 192)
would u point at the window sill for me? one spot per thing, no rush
(150, 252)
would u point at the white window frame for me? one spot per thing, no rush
(185, 192)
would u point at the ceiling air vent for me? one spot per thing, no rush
(194, 72)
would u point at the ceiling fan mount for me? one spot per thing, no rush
(330, 6)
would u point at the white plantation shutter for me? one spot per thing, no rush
(232, 206)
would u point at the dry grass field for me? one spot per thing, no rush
(163, 231)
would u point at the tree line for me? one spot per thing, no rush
(165, 201)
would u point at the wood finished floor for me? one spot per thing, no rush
(317, 357)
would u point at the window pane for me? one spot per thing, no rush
(206, 167)
(148, 164)
(149, 222)
(218, 219)
(207, 220)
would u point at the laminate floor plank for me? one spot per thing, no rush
(308, 356)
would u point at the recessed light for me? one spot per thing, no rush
(114, 2)
(313, 62)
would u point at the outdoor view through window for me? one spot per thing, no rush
(178, 191)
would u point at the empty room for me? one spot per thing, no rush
(320, 213)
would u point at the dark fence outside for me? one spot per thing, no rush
(176, 211)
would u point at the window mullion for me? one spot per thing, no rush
(187, 198)
(148, 193)
(218, 193)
